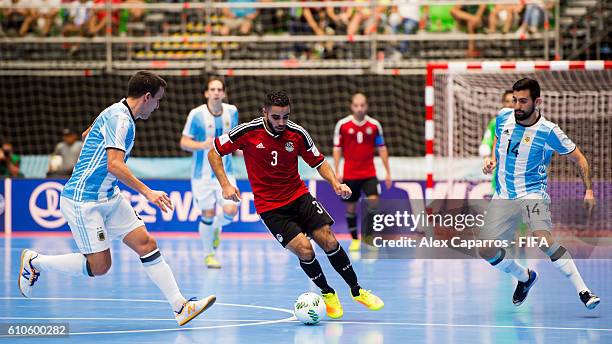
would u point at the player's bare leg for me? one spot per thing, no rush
(302, 248)
(562, 260)
(159, 272)
(324, 237)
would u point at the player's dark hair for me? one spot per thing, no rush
(506, 92)
(216, 78)
(528, 84)
(144, 82)
(276, 98)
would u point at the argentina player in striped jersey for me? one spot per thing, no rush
(524, 144)
(96, 211)
(204, 123)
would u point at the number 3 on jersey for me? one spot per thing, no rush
(514, 149)
(274, 158)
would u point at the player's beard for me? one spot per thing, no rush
(522, 115)
(272, 129)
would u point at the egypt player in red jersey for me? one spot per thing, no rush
(357, 136)
(271, 146)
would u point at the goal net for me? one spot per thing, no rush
(576, 95)
(35, 108)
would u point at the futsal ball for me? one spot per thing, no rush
(309, 308)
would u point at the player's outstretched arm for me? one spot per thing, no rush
(579, 159)
(190, 145)
(116, 165)
(328, 174)
(216, 163)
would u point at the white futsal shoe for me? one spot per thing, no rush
(192, 308)
(27, 274)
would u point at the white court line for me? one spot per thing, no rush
(254, 323)
(129, 319)
(141, 300)
(289, 319)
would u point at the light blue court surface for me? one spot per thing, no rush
(427, 301)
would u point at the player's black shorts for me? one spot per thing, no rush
(368, 185)
(303, 215)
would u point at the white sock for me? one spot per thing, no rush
(73, 264)
(159, 272)
(567, 267)
(511, 266)
(207, 234)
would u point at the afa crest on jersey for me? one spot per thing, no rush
(289, 146)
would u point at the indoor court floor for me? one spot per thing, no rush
(426, 301)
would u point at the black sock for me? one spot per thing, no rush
(351, 221)
(88, 267)
(368, 224)
(313, 270)
(340, 261)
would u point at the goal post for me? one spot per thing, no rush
(461, 98)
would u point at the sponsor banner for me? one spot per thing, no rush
(35, 202)
(36, 207)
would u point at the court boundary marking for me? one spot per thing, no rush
(255, 323)
(258, 322)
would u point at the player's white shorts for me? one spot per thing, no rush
(504, 216)
(207, 193)
(95, 224)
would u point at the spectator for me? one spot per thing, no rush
(272, 20)
(12, 18)
(44, 14)
(504, 13)
(470, 17)
(99, 18)
(533, 18)
(30, 15)
(65, 155)
(308, 20)
(9, 162)
(238, 19)
(364, 19)
(79, 15)
(407, 16)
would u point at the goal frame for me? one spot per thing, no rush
(463, 67)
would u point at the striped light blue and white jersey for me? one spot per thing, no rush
(200, 125)
(523, 154)
(113, 128)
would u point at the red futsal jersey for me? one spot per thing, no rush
(358, 141)
(272, 160)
